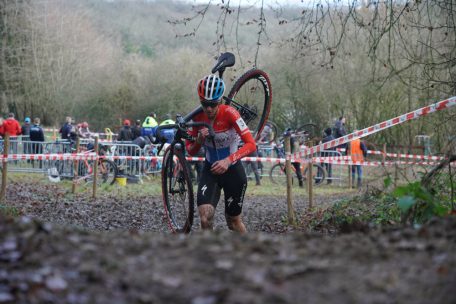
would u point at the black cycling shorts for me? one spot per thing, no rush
(233, 182)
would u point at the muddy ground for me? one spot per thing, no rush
(66, 249)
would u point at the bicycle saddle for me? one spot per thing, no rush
(225, 60)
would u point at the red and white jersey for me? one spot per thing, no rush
(229, 128)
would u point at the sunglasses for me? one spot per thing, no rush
(207, 104)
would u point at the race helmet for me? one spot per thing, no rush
(84, 124)
(127, 122)
(211, 88)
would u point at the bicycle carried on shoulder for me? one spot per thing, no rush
(251, 97)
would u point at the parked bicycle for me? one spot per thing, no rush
(106, 173)
(251, 97)
(277, 174)
(151, 167)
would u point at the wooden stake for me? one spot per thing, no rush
(349, 167)
(291, 214)
(95, 169)
(75, 169)
(384, 155)
(5, 167)
(310, 183)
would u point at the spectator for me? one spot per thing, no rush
(73, 135)
(12, 126)
(254, 166)
(328, 153)
(265, 135)
(125, 133)
(84, 131)
(136, 130)
(2, 130)
(339, 131)
(65, 130)
(339, 128)
(36, 137)
(168, 120)
(294, 147)
(296, 165)
(358, 151)
(149, 126)
(25, 129)
(167, 134)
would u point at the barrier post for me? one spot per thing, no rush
(396, 175)
(291, 214)
(384, 155)
(310, 183)
(75, 169)
(54, 133)
(95, 169)
(5, 166)
(348, 150)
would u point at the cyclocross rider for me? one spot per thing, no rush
(222, 169)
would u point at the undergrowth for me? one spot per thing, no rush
(412, 203)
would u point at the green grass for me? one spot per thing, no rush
(151, 186)
(9, 211)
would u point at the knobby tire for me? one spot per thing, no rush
(253, 89)
(179, 207)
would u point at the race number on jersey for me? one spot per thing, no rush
(241, 124)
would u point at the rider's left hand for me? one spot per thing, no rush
(220, 166)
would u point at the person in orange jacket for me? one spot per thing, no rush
(358, 151)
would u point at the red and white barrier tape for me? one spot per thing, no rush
(411, 156)
(371, 163)
(402, 155)
(92, 156)
(66, 156)
(57, 130)
(337, 160)
(441, 105)
(379, 163)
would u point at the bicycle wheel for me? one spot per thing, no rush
(107, 172)
(177, 191)
(251, 95)
(277, 174)
(269, 133)
(308, 130)
(318, 174)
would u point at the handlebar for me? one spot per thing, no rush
(184, 126)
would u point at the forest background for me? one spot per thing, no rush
(103, 61)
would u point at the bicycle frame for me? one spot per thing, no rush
(89, 168)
